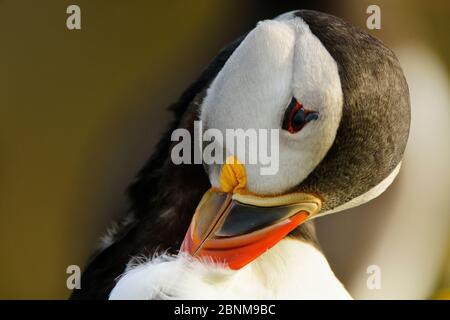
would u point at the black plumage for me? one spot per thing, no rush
(375, 121)
(368, 146)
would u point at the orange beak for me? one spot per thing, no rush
(234, 227)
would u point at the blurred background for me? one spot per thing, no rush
(80, 112)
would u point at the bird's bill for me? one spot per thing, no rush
(235, 229)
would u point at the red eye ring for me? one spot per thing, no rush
(292, 114)
(297, 116)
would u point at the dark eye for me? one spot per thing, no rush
(296, 116)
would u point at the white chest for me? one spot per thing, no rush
(290, 270)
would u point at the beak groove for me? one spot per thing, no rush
(237, 228)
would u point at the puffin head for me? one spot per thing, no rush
(340, 103)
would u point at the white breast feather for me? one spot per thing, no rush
(291, 270)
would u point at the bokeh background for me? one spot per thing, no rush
(80, 112)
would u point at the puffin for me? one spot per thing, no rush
(340, 101)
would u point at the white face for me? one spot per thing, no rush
(277, 60)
